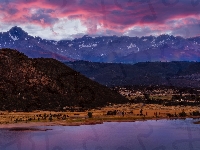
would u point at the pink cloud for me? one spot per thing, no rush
(116, 15)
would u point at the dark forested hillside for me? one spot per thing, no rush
(176, 73)
(28, 84)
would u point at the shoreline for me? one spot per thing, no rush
(94, 121)
(115, 113)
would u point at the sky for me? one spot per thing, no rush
(69, 19)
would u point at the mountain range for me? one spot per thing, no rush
(113, 49)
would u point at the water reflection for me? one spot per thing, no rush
(139, 135)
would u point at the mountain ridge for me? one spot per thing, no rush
(175, 73)
(112, 49)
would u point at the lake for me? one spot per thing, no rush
(139, 135)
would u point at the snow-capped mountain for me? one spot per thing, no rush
(31, 46)
(105, 48)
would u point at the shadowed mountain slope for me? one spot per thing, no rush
(175, 73)
(47, 84)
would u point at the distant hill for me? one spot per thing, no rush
(107, 49)
(176, 73)
(46, 84)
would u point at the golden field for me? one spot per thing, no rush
(131, 113)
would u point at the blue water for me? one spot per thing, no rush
(139, 135)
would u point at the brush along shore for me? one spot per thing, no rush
(114, 113)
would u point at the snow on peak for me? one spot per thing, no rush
(153, 41)
(131, 45)
(55, 43)
(162, 41)
(89, 45)
(14, 38)
(136, 49)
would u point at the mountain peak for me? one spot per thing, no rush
(17, 31)
(85, 36)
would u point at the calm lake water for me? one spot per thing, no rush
(139, 135)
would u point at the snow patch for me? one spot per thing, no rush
(153, 41)
(89, 45)
(14, 38)
(55, 43)
(131, 45)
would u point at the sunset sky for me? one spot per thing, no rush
(68, 19)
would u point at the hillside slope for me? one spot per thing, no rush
(47, 84)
